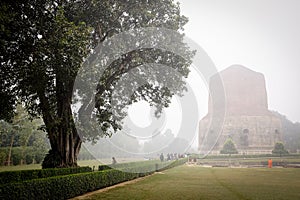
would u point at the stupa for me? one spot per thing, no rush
(239, 110)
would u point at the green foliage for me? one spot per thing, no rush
(25, 175)
(29, 159)
(63, 187)
(3, 157)
(28, 154)
(39, 157)
(173, 164)
(23, 137)
(44, 44)
(104, 167)
(279, 149)
(68, 186)
(51, 160)
(16, 156)
(143, 166)
(229, 147)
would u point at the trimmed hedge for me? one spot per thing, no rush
(103, 167)
(126, 165)
(153, 165)
(174, 164)
(24, 175)
(246, 156)
(63, 187)
(68, 186)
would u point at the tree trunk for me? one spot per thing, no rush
(65, 143)
(64, 138)
(10, 149)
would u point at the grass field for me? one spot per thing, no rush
(194, 182)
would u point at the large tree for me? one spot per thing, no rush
(45, 42)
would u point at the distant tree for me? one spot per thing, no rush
(229, 148)
(7, 135)
(19, 135)
(40, 145)
(279, 149)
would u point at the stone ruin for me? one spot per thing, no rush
(240, 112)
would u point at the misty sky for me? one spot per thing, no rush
(263, 35)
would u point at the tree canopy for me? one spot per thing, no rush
(43, 45)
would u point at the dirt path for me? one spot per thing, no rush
(84, 196)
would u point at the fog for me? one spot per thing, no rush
(260, 35)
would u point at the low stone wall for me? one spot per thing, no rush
(246, 163)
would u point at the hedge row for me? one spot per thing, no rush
(274, 163)
(68, 186)
(24, 175)
(128, 165)
(153, 165)
(63, 187)
(174, 164)
(245, 156)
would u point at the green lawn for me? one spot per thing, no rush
(194, 182)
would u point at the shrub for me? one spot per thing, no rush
(229, 147)
(39, 158)
(24, 175)
(51, 160)
(143, 166)
(68, 186)
(63, 187)
(28, 159)
(103, 167)
(3, 157)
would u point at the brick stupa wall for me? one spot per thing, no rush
(247, 120)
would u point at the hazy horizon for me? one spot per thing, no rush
(260, 35)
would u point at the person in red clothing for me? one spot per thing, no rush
(270, 163)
